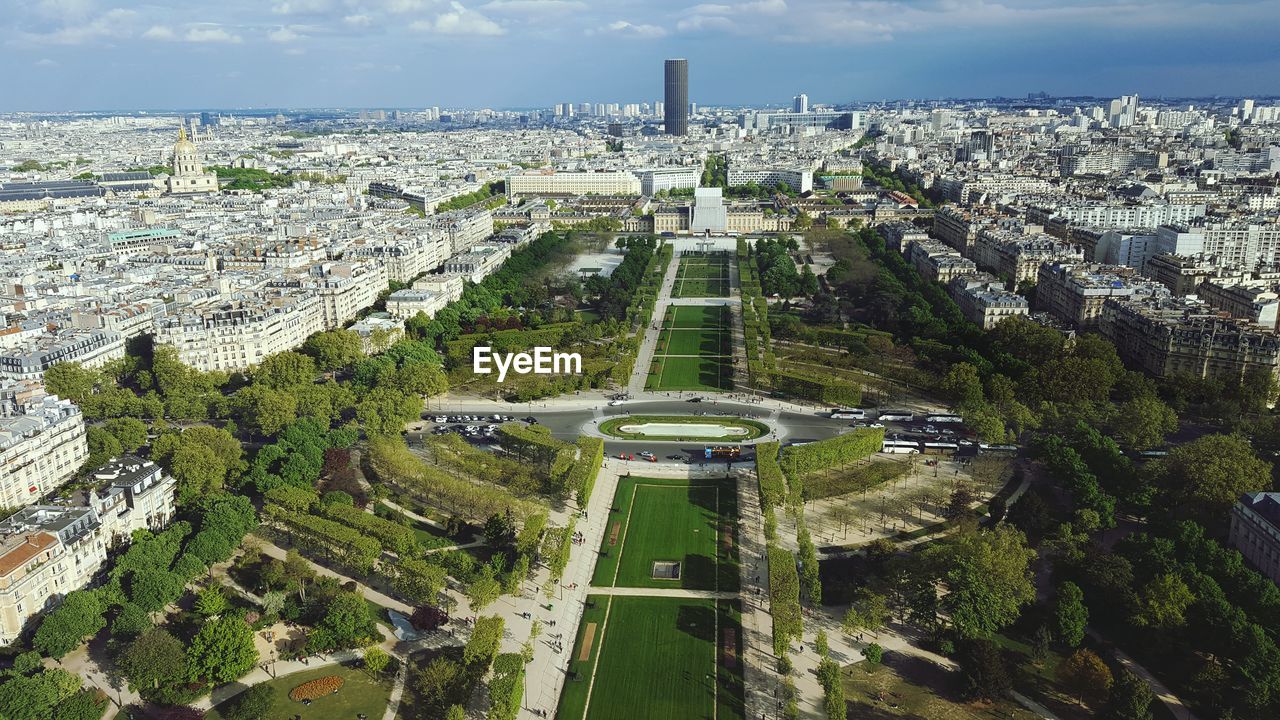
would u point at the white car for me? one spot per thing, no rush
(615, 403)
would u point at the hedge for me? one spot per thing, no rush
(784, 599)
(506, 688)
(773, 486)
(800, 460)
(402, 540)
(359, 551)
(819, 389)
(582, 478)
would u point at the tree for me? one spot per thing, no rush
(869, 611)
(35, 697)
(334, 349)
(155, 659)
(130, 432)
(482, 646)
(422, 378)
(384, 411)
(484, 589)
(1143, 422)
(1085, 675)
(198, 471)
(1162, 602)
(265, 410)
(346, 623)
(222, 651)
(72, 381)
(873, 653)
(211, 601)
(803, 221)
(1131, 698)
(256, 703)
(103, 446)
(285, 370)
(77, 617)
(456, 712)
(1200, 480)
(983, 670)
(987, 574)
(1070, 616)
(375, 659)
(84, 705)
(130, 622)
(436, 684)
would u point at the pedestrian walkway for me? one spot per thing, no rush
(664, 592)
(649, 335)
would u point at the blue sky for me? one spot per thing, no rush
(109, 54)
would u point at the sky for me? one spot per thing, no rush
(128, 54)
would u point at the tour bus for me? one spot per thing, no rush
(722, 452)
(941, 448)
(901, 447)
(943, 419)
(985, 449)
(848, 414)
(897, 416)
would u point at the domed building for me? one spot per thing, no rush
(188, 175)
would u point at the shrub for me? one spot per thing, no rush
(318, 688)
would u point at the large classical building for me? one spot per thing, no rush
(47, 551)
(188, 175)
(42, 442)
(550, 182)
(238, 335)
(1255, 531)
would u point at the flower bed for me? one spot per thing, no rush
(317, 688)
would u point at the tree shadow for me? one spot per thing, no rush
(698, 621)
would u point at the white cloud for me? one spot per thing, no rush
(300, 7)
(629, 29)
(401, 7)
(160, 32)
(705, 22)
(210, 34)
(116, 23)
(64, 9)
(46, 63)
(534, 7)
(359, 20)
(283, 35)
(459, 21)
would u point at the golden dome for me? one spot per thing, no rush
(183, 145)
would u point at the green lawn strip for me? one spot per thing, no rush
(691, 342)
(360, 693)
(696, 373)
(658, 661)
(655, 519)
(731, 693)
(610, 427)
(573, 698)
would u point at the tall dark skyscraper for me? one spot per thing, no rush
(675, 115)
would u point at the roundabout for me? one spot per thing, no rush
(683, 428)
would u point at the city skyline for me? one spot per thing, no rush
(79, 54)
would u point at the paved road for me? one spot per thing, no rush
(665, 592)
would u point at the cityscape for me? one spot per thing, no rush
(633, 403)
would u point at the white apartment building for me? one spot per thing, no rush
(42, 442)
(236, 336)
(47, 551)
(655, 180)
(407, 258)
(551, 182)
(1128, 216)
(91, 348)
(984, 301)
(404, 304)
(799, 180)
(347, 288)
(463, 229)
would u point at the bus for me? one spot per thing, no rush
(941, 448)
(1007, 450)
(897, 416)
(943, 419)
(722, 452)
(901, 447)
(848, 414)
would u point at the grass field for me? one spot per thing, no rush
(655, 659)
(360, 693)
(702, 277)
(671, 519)
(694, 350)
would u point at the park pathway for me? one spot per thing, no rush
(649, 338)
(664, 592)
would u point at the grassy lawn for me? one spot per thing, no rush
(702, 277)
(694, 342)
(908, 687)
(692, 373)
(841, 481)
(359, 694)
(655, 659)
(611, 427)
(693, 351)
(671, 519)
